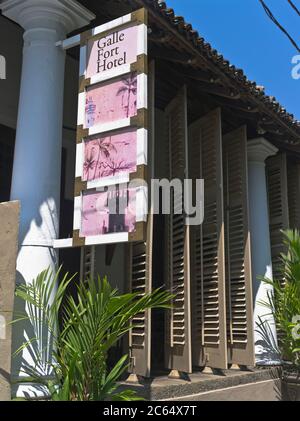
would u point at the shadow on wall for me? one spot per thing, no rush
(23, 331)
(38, 351)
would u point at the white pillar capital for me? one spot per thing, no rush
(260, 149)
(62, 16)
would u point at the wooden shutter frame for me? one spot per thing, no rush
(140, 355)
(87, 262)
(178, 355)
(212, 355)
(276, 170)
(293, 181)
(239, 352)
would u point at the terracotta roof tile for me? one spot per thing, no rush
(236, 74)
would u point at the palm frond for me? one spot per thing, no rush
(284, 302)
(94, 321)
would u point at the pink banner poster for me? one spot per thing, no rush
(110, 211)
(111, 101)
(112, 51)
(110, 155)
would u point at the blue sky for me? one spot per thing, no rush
(242, 32)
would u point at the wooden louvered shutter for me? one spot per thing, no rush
(140, 262)
(87, 264)
(208, 260)
(293, 177)
(140, 283)
(278, 208)
(239, 304)
(178, 325)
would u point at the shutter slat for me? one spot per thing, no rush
(87, 266)
(237, 245)
(140, 265)
(278, 209)
(293, 176)
(178, 335)
(207, 245)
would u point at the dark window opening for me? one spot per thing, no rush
(7, 146)
(158, 315)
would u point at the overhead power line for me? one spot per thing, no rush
(274, 20)
(294, 7)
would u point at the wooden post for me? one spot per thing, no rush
(9, 229)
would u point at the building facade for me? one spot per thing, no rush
(206, 121)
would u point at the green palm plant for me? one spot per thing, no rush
(75, 366)
(284, 303)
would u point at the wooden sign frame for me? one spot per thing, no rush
(138, 122)
(138, 18)
(141, 164)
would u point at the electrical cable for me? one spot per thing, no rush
(274, 20)
(294, 7)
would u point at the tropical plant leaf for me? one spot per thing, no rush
(126, 395)
(284, 302)
(93, 322)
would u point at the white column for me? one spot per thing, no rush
(258, 151)
(37, 160)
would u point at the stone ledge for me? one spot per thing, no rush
(161, 388)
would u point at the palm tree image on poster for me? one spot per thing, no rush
(110, 155)
(111, 101)
(107, 212)
(128, 91)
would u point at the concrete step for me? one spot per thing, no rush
(266, 391)
(232, 385)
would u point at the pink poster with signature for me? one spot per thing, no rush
(107, 212)
(112, 51)
(110, 155)
(111, 101)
